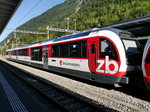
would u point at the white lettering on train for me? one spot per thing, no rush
(107, 66)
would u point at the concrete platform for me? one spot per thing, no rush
(14, 97)
(4, 102)
(10, 101)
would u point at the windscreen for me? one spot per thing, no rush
(133, 52)
(130, 45)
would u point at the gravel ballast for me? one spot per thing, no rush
(110, 98)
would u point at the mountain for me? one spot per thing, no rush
(86, 13)
(56, 14)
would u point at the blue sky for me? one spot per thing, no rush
(24, 8)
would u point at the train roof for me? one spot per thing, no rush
(71, 36)
(145, 38)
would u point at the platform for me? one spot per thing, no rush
(9, 100)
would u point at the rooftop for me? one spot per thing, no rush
(139, 27)
(7, 9)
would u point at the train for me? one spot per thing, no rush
(103, 55)
(146, 63)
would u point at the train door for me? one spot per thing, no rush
(30, 55)
(92, 54)
(45, 60)
(16, 55)
(108, 61)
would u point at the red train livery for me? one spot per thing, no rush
(102, 55)
(146, 64)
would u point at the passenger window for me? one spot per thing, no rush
(107, 49)
(23, 52)
(36, 54)
(14, 52)
(64, 50)
(75, 49)
(55, 50)
(71, 49)
(83, 49)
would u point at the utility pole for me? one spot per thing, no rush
(1, 50)
(15, 38)
(75, 22)
(68, 20)
(47, 32)
(5, 48)
(12, 45)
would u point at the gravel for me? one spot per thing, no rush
(110, 98)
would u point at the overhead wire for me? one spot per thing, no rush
(27, 13)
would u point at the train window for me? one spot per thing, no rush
(142, 43)
(55, 50)
(130, 45)
(83, 48)
(78, 49)
(75, 49)
(71, 49)
(107, 49)
(23, 52)
(14, 52)
(36, 54)
(19, 52)
(64, 50)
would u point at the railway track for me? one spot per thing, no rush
(66, 101)
(72, 103)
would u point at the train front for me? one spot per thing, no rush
(120, 56)
(146, 64)
(133, 53)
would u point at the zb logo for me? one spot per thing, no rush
(110, 67)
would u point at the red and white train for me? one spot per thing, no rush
(102, 55)
(146, 64)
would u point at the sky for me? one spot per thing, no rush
(26, 11)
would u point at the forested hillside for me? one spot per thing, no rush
(87, 13)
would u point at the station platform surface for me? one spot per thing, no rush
(9, 101)
(14, 97)
(4, 102)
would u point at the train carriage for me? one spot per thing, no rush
(146, 64)
(101, 55)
